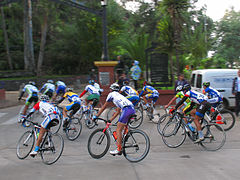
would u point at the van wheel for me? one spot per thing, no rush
(225, 104)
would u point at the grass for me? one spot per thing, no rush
(35, 77)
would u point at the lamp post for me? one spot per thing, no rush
(104, 31)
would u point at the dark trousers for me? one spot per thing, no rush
(237, 103)
(136, 84)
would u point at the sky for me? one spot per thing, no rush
(215, 8)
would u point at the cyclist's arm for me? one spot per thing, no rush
(84, 92)
(35, 108)
(21, 95)
(141, 93)
(171, 101)
(180, 102)
(102, 108)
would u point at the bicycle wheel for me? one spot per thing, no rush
(51, 148)
(136, 121)
(25, 144)
(162, 122)
(226, 119)
(98, 143)
(174, 134)
(55, 129)
(136, 145)
(110, 113)
(214, 137)
(73, 129)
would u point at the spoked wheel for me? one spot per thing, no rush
(30, 118)
(98, 143)
(226, 119)
(174, 134)
(135, 122)
(25, 144)
(136, 145)
(110, 113)
(51, 148)
(214, 137)
(162, 122)
(73, 129)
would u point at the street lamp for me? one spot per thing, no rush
(104, 33)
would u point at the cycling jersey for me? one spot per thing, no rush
(60, 83)
(32, 94)
(213, 95)
(152, 93)
(118, 99)
(180, 94)
(196, 97)
(30, 89)
(47, 87)
(48, 110)
(129, 91)
(61, 86)
(72, 97)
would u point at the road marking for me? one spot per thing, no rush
(2, 114)
(11, 121)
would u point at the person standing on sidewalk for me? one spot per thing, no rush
(135, 73)
(180, 82)
(236, 92)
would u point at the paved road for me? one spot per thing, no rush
(186, 162)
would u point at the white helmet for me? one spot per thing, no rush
(115, 87)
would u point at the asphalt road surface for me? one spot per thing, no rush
(189, 161)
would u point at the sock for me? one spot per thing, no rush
(36, 148)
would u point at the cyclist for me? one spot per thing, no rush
(74, 106)
(48, 88)
(152, 94)
(124, 105)
(203, 106)
(32, 92)
(94, 94)
(50, 114)
(214, 96)
(60, 88)
(131, 94)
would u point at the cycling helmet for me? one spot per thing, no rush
(114, 87)
(50, 81)
(44, 97)
(91, 82)
(125, 82)
(207, 84)
(69, 90)
(32, 83)
(186, 87)
(179, 88)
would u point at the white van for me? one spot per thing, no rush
(220, 79)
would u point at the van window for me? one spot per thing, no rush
(193, 79)
(199, 81)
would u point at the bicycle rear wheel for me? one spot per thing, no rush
(51, 148)
(136, 145)
(73, 129)
(225, 119)
(25, 144)
(98, 143)
(214, 137)
(162, 122)
(136, 121)
(174, 134)
(89, 122)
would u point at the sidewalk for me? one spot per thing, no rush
(11, 99)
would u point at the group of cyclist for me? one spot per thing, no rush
(125, 98)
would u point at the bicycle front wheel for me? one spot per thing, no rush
(136, 121)
(214, 137)
(25, 144)
(98, 143)
(136, 145)
(51, 148)
(73, 129)
(174, 134)
(226, 119)
(162, 122)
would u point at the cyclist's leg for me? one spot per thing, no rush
(74, 108)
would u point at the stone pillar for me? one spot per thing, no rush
(105, 76)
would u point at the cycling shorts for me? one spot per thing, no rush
(60, 89)
(204, 106)
(127, 112)
(48, 119)
(189, 107)
(32, 98)
(93, 96)
(74, 106)
(133, 99)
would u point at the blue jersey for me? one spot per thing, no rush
(212, 93)
(196, 97)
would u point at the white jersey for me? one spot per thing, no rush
(49, 86)
(60, 83)
(30, 89)
(196, 97)
(118, 99)
(129, 91)
(46, 108)
(92, 89)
